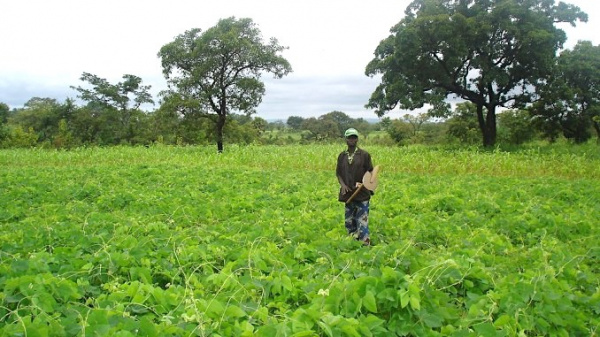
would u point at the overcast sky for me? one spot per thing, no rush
(45, 46)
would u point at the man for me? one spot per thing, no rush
(352, 165)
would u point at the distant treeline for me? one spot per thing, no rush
(45, 122)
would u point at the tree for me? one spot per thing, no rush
(260, 124)
(124, 97)
(19, 137)
(385, 122)
(242, 129)
(277, 125)
(217, 72)
(462, 124)
(4, 112)
(295, 122)
(400, 131)
(40, 115)
(164, 126)
(363, 126)
(416, 121)
(492, 53)
(570, 101)
(320, 129)
(342, 120)
(89, 124)
(515, 126)
(64, 137)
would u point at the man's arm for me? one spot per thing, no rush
(344, 188)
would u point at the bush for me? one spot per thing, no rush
(18, 137)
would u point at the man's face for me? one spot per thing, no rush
(351, 140)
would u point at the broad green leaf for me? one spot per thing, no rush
(404, 298)
(350, 330)
(214, 308)
(305, 334)
(287, 283)
(234, 311)
(67, 290)
(415, 302)
(502, 321)
(326, 328)
(141, 274)
(431, 319)
(45, 301)
(147, 328)
(372, 321)
(485, 330)
(413, 289)
(247, 328)
(369, 302)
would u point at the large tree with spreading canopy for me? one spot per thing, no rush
(570, 101)
(217, 72)
(493, 53)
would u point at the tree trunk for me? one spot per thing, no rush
(487, 125)
(597, 128)
(220, 126)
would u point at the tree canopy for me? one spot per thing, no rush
(118, 95)
(493, 53)
(4, 112)
(119, 102)
(570, 101)
(217, 72)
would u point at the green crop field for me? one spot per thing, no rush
(181, 241)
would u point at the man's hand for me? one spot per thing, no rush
(345, 189)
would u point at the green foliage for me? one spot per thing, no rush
(569, 101)
(487, 52)
(64, 138)
(295, 122)
(329, 126)
(116, 103)
(4, 112)
(19, 138)
(41, 115)
(124, 96)
(416, 121)
(244, 129)
(66, 125)
(462, 124)
(411, 129)
(320, 129)
(259, 124)
(342, 120)
(399, 131)
(217, 72)
(146, 241)
(515, 127)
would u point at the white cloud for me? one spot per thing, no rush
(47, 45)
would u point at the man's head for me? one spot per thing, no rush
(351, 132)
(351, 136)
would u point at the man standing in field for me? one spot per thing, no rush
(352, 164)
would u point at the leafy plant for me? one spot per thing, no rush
(179, 241)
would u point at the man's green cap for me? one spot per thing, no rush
(351, 132)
